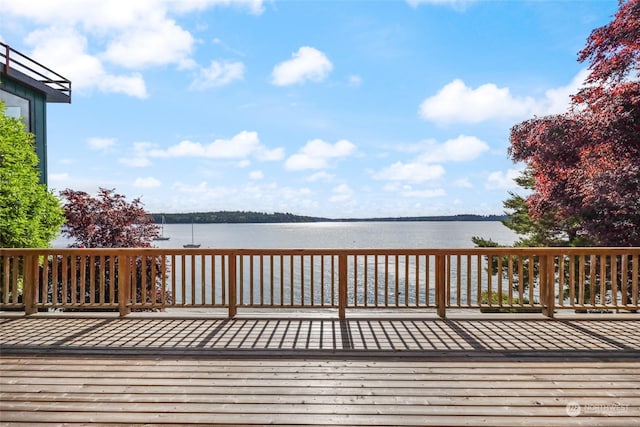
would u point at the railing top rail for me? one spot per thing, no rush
(13, 59)
(534, 251)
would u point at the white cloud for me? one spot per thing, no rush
(218, 74)
(500, 180)
(317, 154)
(341, 193)
(200, 188)
(408, 191)
(308, 64)
(148, 182)
(425, 166)
(139, 158)
(64, 50)
(461, 149)
(58, 178)
(462, 183)
(135, 162)
(321, 176)
(132, 35)
(241, 146)
(101, 143)
(154, 41)
(225, 46)
(254, 195)
(457, 4)
(103, 15)
(256, 175)
(355, 80)
(266, 155)
(411, 172)
(458, 103)
(557, 100)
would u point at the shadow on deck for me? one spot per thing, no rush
(292, 336)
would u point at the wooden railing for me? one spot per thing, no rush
(13, 60)
(496, 279)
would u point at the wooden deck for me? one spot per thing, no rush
(373, 369)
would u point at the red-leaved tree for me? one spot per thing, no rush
(586, 162)
(106, 221)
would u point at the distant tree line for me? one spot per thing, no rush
(245, 217)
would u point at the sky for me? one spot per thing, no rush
(339, 109)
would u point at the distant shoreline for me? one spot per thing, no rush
(241, 217)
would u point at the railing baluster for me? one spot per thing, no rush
(192, 270)
(614, 280)
(561, 280)
(406, 280)
(635, 275)
(203, 279)
(271, 281)
(375, 302)
(301, 258)
(499, 284)
(28, 285)
(592, 280)
(163, 280)
(231, 283)
(510, 279)
(441, 285)
(322, 271)
(225, 285)
(531, 278)
(311, 280)
(354, 285)
(603, 279)
(124, 284)
(342, 285)
(214, 293)
(183, 278)
(173, 267)
(6, 278)
(427, 281)
(489, 281)
(479, 276)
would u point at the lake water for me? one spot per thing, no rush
(323, 235)
(328, 235)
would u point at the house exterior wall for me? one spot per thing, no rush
(37, 123)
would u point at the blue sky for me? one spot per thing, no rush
(325, 108)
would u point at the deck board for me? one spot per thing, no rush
(309, 371)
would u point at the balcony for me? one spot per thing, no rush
(532, 336)
(34, 75)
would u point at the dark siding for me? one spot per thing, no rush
(38, 119)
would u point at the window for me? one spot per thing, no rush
(16, 106)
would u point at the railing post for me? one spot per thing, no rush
(7, 65)
(342, 286)
(29, 285)
(547, 288)
(441, 281)
(232, 286)
(124, 284)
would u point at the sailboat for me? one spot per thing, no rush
(161, 236)
(192, 244)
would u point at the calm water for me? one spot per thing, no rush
(350, 235)
(324, 235)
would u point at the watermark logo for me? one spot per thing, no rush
(575, 409)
